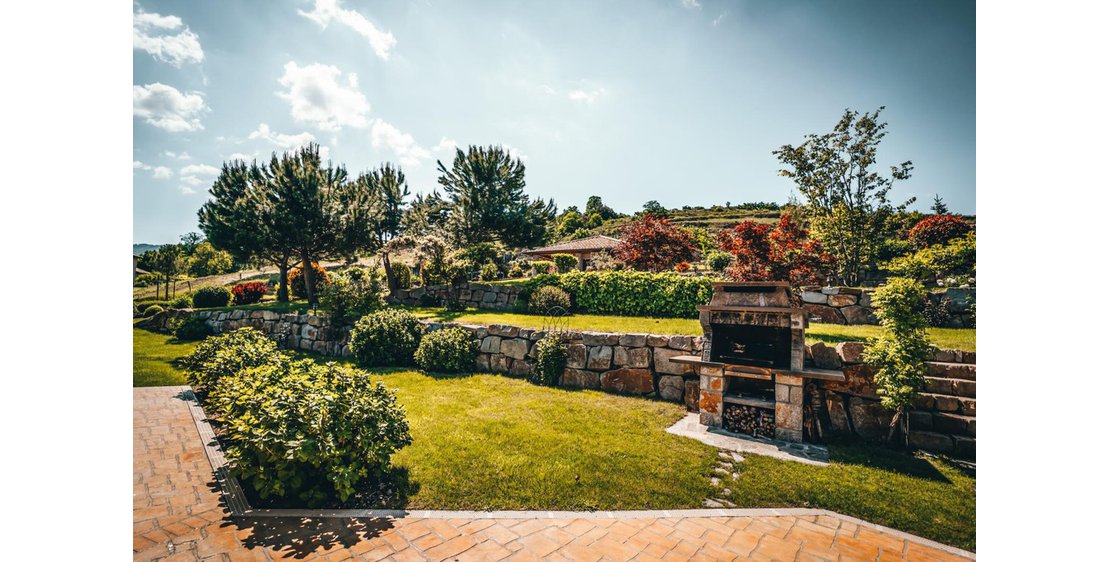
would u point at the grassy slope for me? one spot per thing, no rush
(494, 442)
(946, 338)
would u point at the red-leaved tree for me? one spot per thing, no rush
(654, 245)
(780, 253)
(937, 229)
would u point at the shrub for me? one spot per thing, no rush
(564, 262)
(545, 298)
(449, 350)
(718, 261)
(516, 271)
(353, 293)
(900, 351)
(402, 273)
(489, 272)
(551, 360)
(938, 312)
(296, 281)
(193, 329)
(653, 244)
(147, 279)
(956, 258)
(152, 310)
(780, 253)
(309, 431)
(542, 266)
(385, 338)
(135, 311)
(227, 355)
(183, 301)
(208, 297)
(630, 293)
(937, 229)
(249, 293)
(682, 267)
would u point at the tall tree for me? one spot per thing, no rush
(232, 219)
(485, 187)
(168, 261)
(939, 207)
(386, 190)
(845, 199)
(594, 205)
(655, 210)
(190, 241)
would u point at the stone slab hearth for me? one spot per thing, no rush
(691, 426)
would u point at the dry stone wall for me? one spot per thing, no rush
(477, 295)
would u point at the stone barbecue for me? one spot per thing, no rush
(752, 366)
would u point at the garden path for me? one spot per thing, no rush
(179, 515)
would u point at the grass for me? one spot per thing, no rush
(945, 338)
(485, 442)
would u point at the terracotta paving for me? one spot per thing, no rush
(178, 515)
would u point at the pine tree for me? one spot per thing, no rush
(939, 208)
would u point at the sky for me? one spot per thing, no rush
(680, 101)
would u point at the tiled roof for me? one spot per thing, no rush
(590, 244)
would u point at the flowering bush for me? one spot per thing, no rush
(682, 267)
(296, 282)
(780, 253)
(937, 229)
(654, 244)
(249, 293)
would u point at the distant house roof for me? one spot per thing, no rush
(591, 244)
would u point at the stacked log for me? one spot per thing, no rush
(759, 422)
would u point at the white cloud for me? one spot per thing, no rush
(191, 180)
(199, 170)
(136, 165)
(177, 155)
(285, 142)
(691, 4)
(586, 96)
(445, 144)
(327, 11)
(186, 190)
(162, 172)
(408, 153)
(241, 156)
(167, 108)
(316, 96)
(717, 21)
(158, 35)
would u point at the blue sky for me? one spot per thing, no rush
(681, 101)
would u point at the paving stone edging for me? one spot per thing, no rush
(238, 506)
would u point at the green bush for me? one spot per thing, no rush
(565, 262)
(227, 355)
(402, 273)
(630, 293)
(938, 312)
(546, 297)
(152, 310)
(183, 301)
(308, 431)
(449, 350)
(717, 260)
(353, 293)
(551, 360)
(956, 258)
(540, 267)
(489, 272)
(208, 297)
(516, 271)
(146, 279)
(386, 338)
(296, 280)
(193, 329)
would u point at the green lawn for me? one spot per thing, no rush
(485, 442)
(945, 338)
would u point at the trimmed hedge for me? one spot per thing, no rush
(210, 297)
(630, 293)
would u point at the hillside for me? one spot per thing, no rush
(713, 218)
(140, 249)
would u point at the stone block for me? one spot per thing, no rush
(797, 395)
(663, 362)
(850, 351)
(716, 384)
(869, 418)
(830, 290)
(825, 357)
(950, 370)
(943, 403)
(600, 338)
(710, 402)
(658, 341)
(685, 343)
(782, 393)
(320, 346)
(788, 416)
(503, 330)
(580, 379)
(693, 389)
(789, 380)
(628, 381)
(515, 347)
(576, 356)
(930, 441)
(600, 358)
(815, 297)
(825, 314)
(859, 379)
(943, 355)
(934, 385)
(858, 315)
(963, 447)
(491, 344)
(966, 406)
(500, 363)
(920, 420)
(633, 340)
(671, 388)
(639, 357)
(865, 297)
(520, 367)
(709, 419)
(711, 370)
(951, 423)
(841, 300)
(620, 356)
(964, 388)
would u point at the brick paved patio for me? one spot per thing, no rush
(178, 515)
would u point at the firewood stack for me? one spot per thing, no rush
(759, 422)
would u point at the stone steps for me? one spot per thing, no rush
(942, 422)
(952, 387)
(955, 445)
(946, 403)
(948, 370)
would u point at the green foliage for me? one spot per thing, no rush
(227, 355)
(565, 262)
(936, 262)
(516, 271)
(402, 273)
(353, 293)
(146, 279)
(182, 301)
(436, 265)
(213, 296)
(308, 431)
(152, 310)
(297, 284)
(702, 239)
(717, 260)
(489, 272)
(193, 329)
(207, 260)
(655, 210)
(551, 360)
(449, 350)
(631, 293)
(542, 266)
(900, 352)
(938, 312)
(547, 297)
(386, 338)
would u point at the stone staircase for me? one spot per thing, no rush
(944, 417)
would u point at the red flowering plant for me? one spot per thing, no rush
(780, 253)
(937, 229)
(682, 267)
(653, 244)
(250, 292)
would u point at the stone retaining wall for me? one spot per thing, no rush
(851, 305)
(477, 295)
(639, 364)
